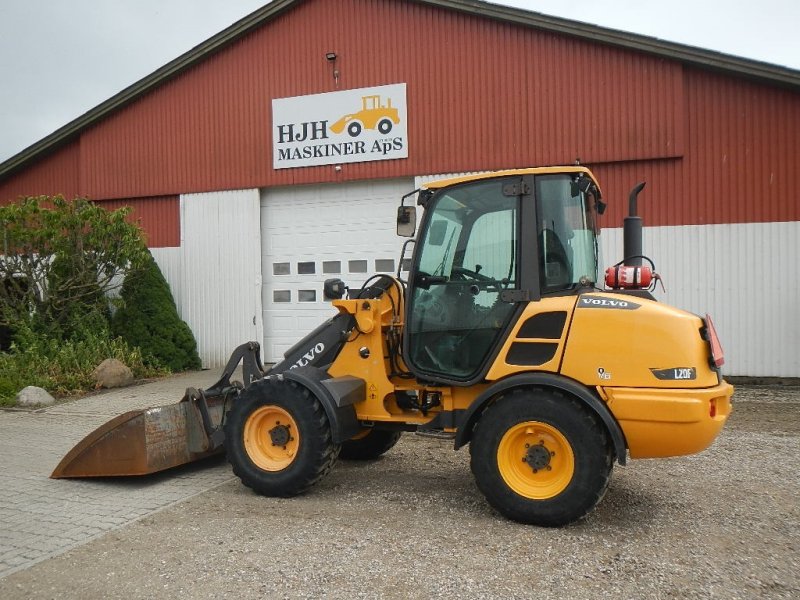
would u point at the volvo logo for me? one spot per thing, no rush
(309, 356)
(600, 302)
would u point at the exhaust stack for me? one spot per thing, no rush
(632, 231)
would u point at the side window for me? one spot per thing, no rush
(440, 241)
(566, 234)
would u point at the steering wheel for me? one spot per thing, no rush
(464, 274)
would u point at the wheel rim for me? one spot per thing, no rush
(536, 460)
(271, 438)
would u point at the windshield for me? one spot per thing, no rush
(567, 234)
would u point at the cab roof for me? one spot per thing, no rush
(442, 183)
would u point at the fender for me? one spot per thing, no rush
(470, 417)
(337, 396)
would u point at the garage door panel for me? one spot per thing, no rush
(313, 233)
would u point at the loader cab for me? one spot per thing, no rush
(486, 247)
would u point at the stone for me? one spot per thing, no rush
(112, 373)
(34, 396)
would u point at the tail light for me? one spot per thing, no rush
(717, 354)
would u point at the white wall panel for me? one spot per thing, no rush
(219, 284)
(745, 276)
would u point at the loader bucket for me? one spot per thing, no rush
(145, 441)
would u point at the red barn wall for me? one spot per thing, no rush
(482, 95)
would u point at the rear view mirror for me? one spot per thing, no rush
(581, 183)
(406, 221)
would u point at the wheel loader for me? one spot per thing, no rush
(505, 336)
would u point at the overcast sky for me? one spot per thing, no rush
(61, 58)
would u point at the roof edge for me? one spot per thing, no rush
(709, 59)
(175, 67)
(764, 71)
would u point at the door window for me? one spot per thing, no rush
(467, 257)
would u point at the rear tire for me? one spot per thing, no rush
(541, 457)
(385, 126)
(372, 445)
(278, 438)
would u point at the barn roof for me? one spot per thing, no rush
(690, 55)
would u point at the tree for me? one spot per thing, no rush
(60, 256)
(149, 319)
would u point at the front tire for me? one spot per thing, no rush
(541, 457)
(278, 438)
(354, 129)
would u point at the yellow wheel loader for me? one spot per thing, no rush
(501, 337)
(373, 115)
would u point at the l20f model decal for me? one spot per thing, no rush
(675, 374)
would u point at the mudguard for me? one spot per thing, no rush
(470, 417)
(337, 396)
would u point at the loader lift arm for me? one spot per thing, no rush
(141, 442)
(249, 355)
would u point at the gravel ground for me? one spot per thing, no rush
(721, 524)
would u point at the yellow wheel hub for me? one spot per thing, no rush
(535, 460)
(271, 438)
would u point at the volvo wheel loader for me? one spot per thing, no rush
(505, 336)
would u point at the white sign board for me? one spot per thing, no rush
(340, 127)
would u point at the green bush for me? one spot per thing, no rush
(148, 319)
(63, 367)
(59, 261)
(60, 258)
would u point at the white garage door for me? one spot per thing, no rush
(313, 233)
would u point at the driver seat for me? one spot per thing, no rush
(555, 268)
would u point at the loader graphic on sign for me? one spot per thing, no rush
(373, 115)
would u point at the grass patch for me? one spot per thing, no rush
(64, 367)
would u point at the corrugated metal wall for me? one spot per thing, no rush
(744, 275)
(498, 95)
(744, 151)
(57, 173)
(220, 271)
(159, 217)
(714, 149)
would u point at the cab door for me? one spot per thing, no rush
(466, 262)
